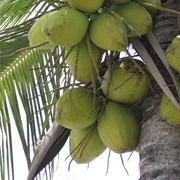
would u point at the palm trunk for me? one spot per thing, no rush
(159, 142)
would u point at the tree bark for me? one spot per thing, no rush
(159, 143)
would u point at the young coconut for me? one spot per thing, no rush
(136, 16)
(168, 111)
(85, 144)
(76, 109)
(152, 9)
(66, 27)
(88, 6)
(118, 128)
(120, 1)
(80, 61)
(126, 84)
(108, 32)
(36, 36)
(173, 53)
(136, 110)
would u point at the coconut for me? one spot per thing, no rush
(168, 111)
(85, 144)
(80, 62)
(126, 84)
(89, 6)
(136, 110)
(173, 53)
(76, 109)
(120, 1)
(108, 32)
(137, 17)
(65, 27)
(151, 9)
(118, 128)
(36, 36)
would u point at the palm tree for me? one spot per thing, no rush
(33, 79)
(159, 142)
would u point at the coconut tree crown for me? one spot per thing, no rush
(51, 49)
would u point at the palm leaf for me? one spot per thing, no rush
(15, 12)
(15, 23)
(27, 82)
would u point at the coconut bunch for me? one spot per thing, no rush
(96, 126)
(92, 32)
(77, 109)
(108, 23)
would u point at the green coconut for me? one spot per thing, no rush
(152, 9)
(66, 27)
(168, 111)
(36, 36)
(118, 128)
(126, 84)
(120, 1)
(136, 110)
(76, 110)
(89, 6)
(85, 145)
(173, 53)
(108, 32)
(83, 66)
(137, 17)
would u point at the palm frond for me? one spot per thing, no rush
(17, 18)
(25, 87)
(27, 82)
(15, 12)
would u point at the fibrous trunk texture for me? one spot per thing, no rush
(159, 142)
(159, 146)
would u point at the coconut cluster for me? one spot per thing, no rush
(92, 32)
(109, 23)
